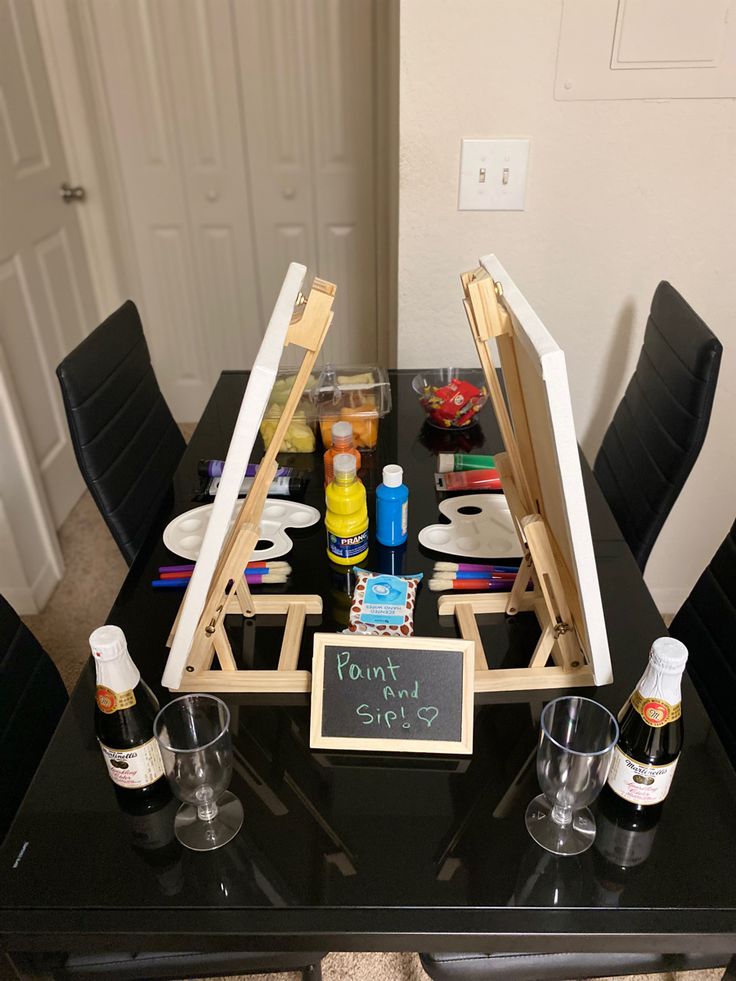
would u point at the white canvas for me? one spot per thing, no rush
(547, 398)
(255, 401)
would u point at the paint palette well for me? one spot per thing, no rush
(480, 526)
(183, 536)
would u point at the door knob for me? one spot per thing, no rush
(69, 193)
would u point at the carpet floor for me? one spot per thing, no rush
(94, 573)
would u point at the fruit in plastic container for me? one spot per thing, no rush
(364, 418)
(299, 436)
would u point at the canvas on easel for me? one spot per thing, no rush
(201, 657)
(542, 480)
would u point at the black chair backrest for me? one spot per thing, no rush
(32, 698)
(706, 624)
(659, 426)
(124, 436)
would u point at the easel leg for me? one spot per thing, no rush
(289, 656)
(469, 631)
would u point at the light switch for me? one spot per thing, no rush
(493, 175)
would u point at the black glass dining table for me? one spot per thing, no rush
(367, 851)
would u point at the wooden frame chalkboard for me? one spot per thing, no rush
(407, 694)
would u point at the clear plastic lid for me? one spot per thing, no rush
(668, 655)
(342, 431)
(108, 642)
(344, 465)
(362, 390)
(393, 475)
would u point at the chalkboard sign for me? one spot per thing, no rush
(413, 694)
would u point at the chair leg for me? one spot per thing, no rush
(730, 972)
(314, 973)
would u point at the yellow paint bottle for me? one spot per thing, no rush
(346, 520)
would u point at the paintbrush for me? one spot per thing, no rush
(477, 585)
(270, 579)
(188, 567)
(473, 574)
(471, 567)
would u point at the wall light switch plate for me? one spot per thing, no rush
(493, 175)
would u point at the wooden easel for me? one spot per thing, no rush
(307, 329)
(553, 597)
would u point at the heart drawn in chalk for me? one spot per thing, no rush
(428, 713)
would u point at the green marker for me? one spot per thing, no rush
(449, 462)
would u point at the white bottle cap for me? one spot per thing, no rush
(344, 463)
(668, 655)
(393, 474)
(445, 462)
(107, 643)
(342, 430)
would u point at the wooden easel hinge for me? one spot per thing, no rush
(490, 318)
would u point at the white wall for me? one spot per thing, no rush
(620, 196)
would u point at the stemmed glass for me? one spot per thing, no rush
(194, 738)
(574, 756)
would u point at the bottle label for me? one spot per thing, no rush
(134, 768)
(347, 548)
(637, 782)
(655, 711)
(109, 701)
(384, 600)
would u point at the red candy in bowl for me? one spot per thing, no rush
(451, 397)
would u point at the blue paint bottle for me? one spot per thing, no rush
(392, 507)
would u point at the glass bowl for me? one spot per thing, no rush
(425, 382)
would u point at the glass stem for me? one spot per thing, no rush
(206, 807)
(207, 811)
(561, 815)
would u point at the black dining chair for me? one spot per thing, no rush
(124, 436)
(659, 426)
(32, 701)
(706, 624)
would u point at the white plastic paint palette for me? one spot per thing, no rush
(183, 536)
(480, 526)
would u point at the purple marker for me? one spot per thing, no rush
(214, 468)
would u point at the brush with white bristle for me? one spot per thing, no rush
(470, 567)
(438, 583)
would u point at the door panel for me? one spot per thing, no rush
(307, 93)
(46, 304)
(178, 137)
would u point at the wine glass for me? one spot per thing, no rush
(194, 738)
(574, 756)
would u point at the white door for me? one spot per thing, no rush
(46, 303)
(244, 140)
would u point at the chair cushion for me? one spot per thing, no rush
(659, 426)
(559, 967)
(124, 436)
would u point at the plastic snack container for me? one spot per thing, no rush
(359, 394)
(301, 433)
